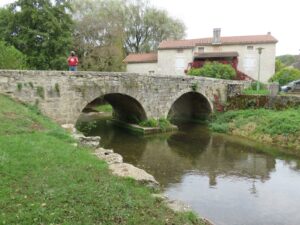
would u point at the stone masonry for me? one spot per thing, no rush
(62, 95)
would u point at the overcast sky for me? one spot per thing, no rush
(237, 17)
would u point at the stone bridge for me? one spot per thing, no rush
(63, 95)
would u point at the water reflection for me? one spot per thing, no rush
(224, 180)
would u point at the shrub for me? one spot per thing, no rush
(11, 58)
(286, 75)
(215, 70)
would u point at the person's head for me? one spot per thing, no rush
(72, 53)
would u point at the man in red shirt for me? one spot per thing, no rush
(72, 61)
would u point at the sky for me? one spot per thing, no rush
(236, 17)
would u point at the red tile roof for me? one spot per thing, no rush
(233, 40)
(141, 58)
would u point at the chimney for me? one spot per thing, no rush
(269, 33)
(217, 36)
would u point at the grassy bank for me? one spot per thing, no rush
(267, 126)
(44, 179)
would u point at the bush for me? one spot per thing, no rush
(286, 75)
(162, 123)
(214, 70)
(11, 58)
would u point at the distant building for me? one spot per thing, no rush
(173, 56)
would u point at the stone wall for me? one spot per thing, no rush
(256, 101)
(62, 95)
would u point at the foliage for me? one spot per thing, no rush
(286, 75)
(162, 123)
(104, 108)
(278, 65)
(252, 90)
(107, 30)
(287, 60)
(215, 70)
(99, 34)
(146, 26)
(11, 58)
(40, 29)
(55, 182)
(255, 92)
(40, 92)
(266, 121)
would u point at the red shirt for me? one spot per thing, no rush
(73, 61)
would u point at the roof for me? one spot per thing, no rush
(233, 40)
(141, 58)
(215, 55)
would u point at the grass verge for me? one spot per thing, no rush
(46, 180)
(267, 126)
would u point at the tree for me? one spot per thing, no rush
(40, 29)
(11, 58)
(99, 34)
(278, 65)
(287, 60)
(215, 70)
(286, 75)
(146, 26)
(107, 30)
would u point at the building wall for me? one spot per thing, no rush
(249, 59)
(144, 68)
(174, 62)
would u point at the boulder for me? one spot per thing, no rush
(108, 155)
(128, 170)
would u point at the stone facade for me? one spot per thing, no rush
(146, 68)
(63, 95)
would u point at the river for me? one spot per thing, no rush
(228, 180)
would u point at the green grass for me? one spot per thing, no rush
(255, 92)
(267, 121)
(44, 179)
(104, 108)
(162, 123)
(282, 127)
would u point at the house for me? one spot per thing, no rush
(173, 56)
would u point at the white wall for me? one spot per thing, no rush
(174, 62)
(143, 68)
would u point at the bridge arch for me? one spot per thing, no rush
(125, 107)
(189, 105)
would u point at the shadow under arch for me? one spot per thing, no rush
(125, 107)
(191, 106)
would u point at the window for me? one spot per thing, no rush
(250, 48)
(201, 49)
(179, 50)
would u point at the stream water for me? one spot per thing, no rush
(224, 179)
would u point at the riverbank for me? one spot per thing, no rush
(281, 128)
(46, 179)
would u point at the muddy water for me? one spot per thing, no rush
(227, 180)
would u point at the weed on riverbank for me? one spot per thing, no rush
(267, 126)
(46, 180)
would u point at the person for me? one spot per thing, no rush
(72, 61)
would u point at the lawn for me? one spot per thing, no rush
(46, 180)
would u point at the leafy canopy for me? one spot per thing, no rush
(40, 29)
(286, 75)
(214, 70)
(11, 58)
